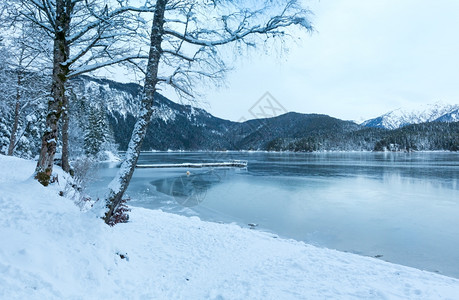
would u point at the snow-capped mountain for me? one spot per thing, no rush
(122, 99)
(452, 116)
(438, 111)
(173, 126)
(183, 127)
(103, 113)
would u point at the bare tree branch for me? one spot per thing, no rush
(94, 67)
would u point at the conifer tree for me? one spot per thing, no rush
(95, 135)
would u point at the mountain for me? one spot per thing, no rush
(184, 127)
(173, 126)
(452, 116)
(439, 111)
(259, 133)
(103, 114)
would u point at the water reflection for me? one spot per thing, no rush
(401, 207)
(190, 189)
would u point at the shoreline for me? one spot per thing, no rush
(56, 251)
(290, 152)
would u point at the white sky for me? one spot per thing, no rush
(365, 58)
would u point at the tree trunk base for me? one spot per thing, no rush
(44, 177)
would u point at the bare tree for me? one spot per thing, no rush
(6, 96)
(22, 86)
(185, 43)
(26, 64)
(87, 35)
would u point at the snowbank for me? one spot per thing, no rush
(51, 250)
(108, 156)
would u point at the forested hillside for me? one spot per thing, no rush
(103, 114)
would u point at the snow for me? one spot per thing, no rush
(52, 250)
(109, 156)
(233, 163)
(30, 118)
(423, 113)
(115, 100)
(164, 113)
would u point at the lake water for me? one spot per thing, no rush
(399, 207)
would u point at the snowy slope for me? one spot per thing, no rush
(424, 113)
(173, 126)
(452, 116)
(51, 250)
(124, 99)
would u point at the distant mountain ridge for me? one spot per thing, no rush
(103, 114)
(173, 126)
(452, 116)
(437, 112)
(183, 127)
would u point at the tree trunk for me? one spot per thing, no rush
(65, 136)
(16, 115)
(61, 53)
(121, 182)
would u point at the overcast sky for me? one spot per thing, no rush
(365, 58)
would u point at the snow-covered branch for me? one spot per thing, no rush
(96, 66)
(101, 19)
(178, 54)
(272, 27)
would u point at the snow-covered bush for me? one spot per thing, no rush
(75, 188)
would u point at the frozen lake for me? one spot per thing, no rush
(399, 207)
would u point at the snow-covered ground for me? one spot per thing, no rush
(49, 249)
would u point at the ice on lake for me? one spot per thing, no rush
(399, 207)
